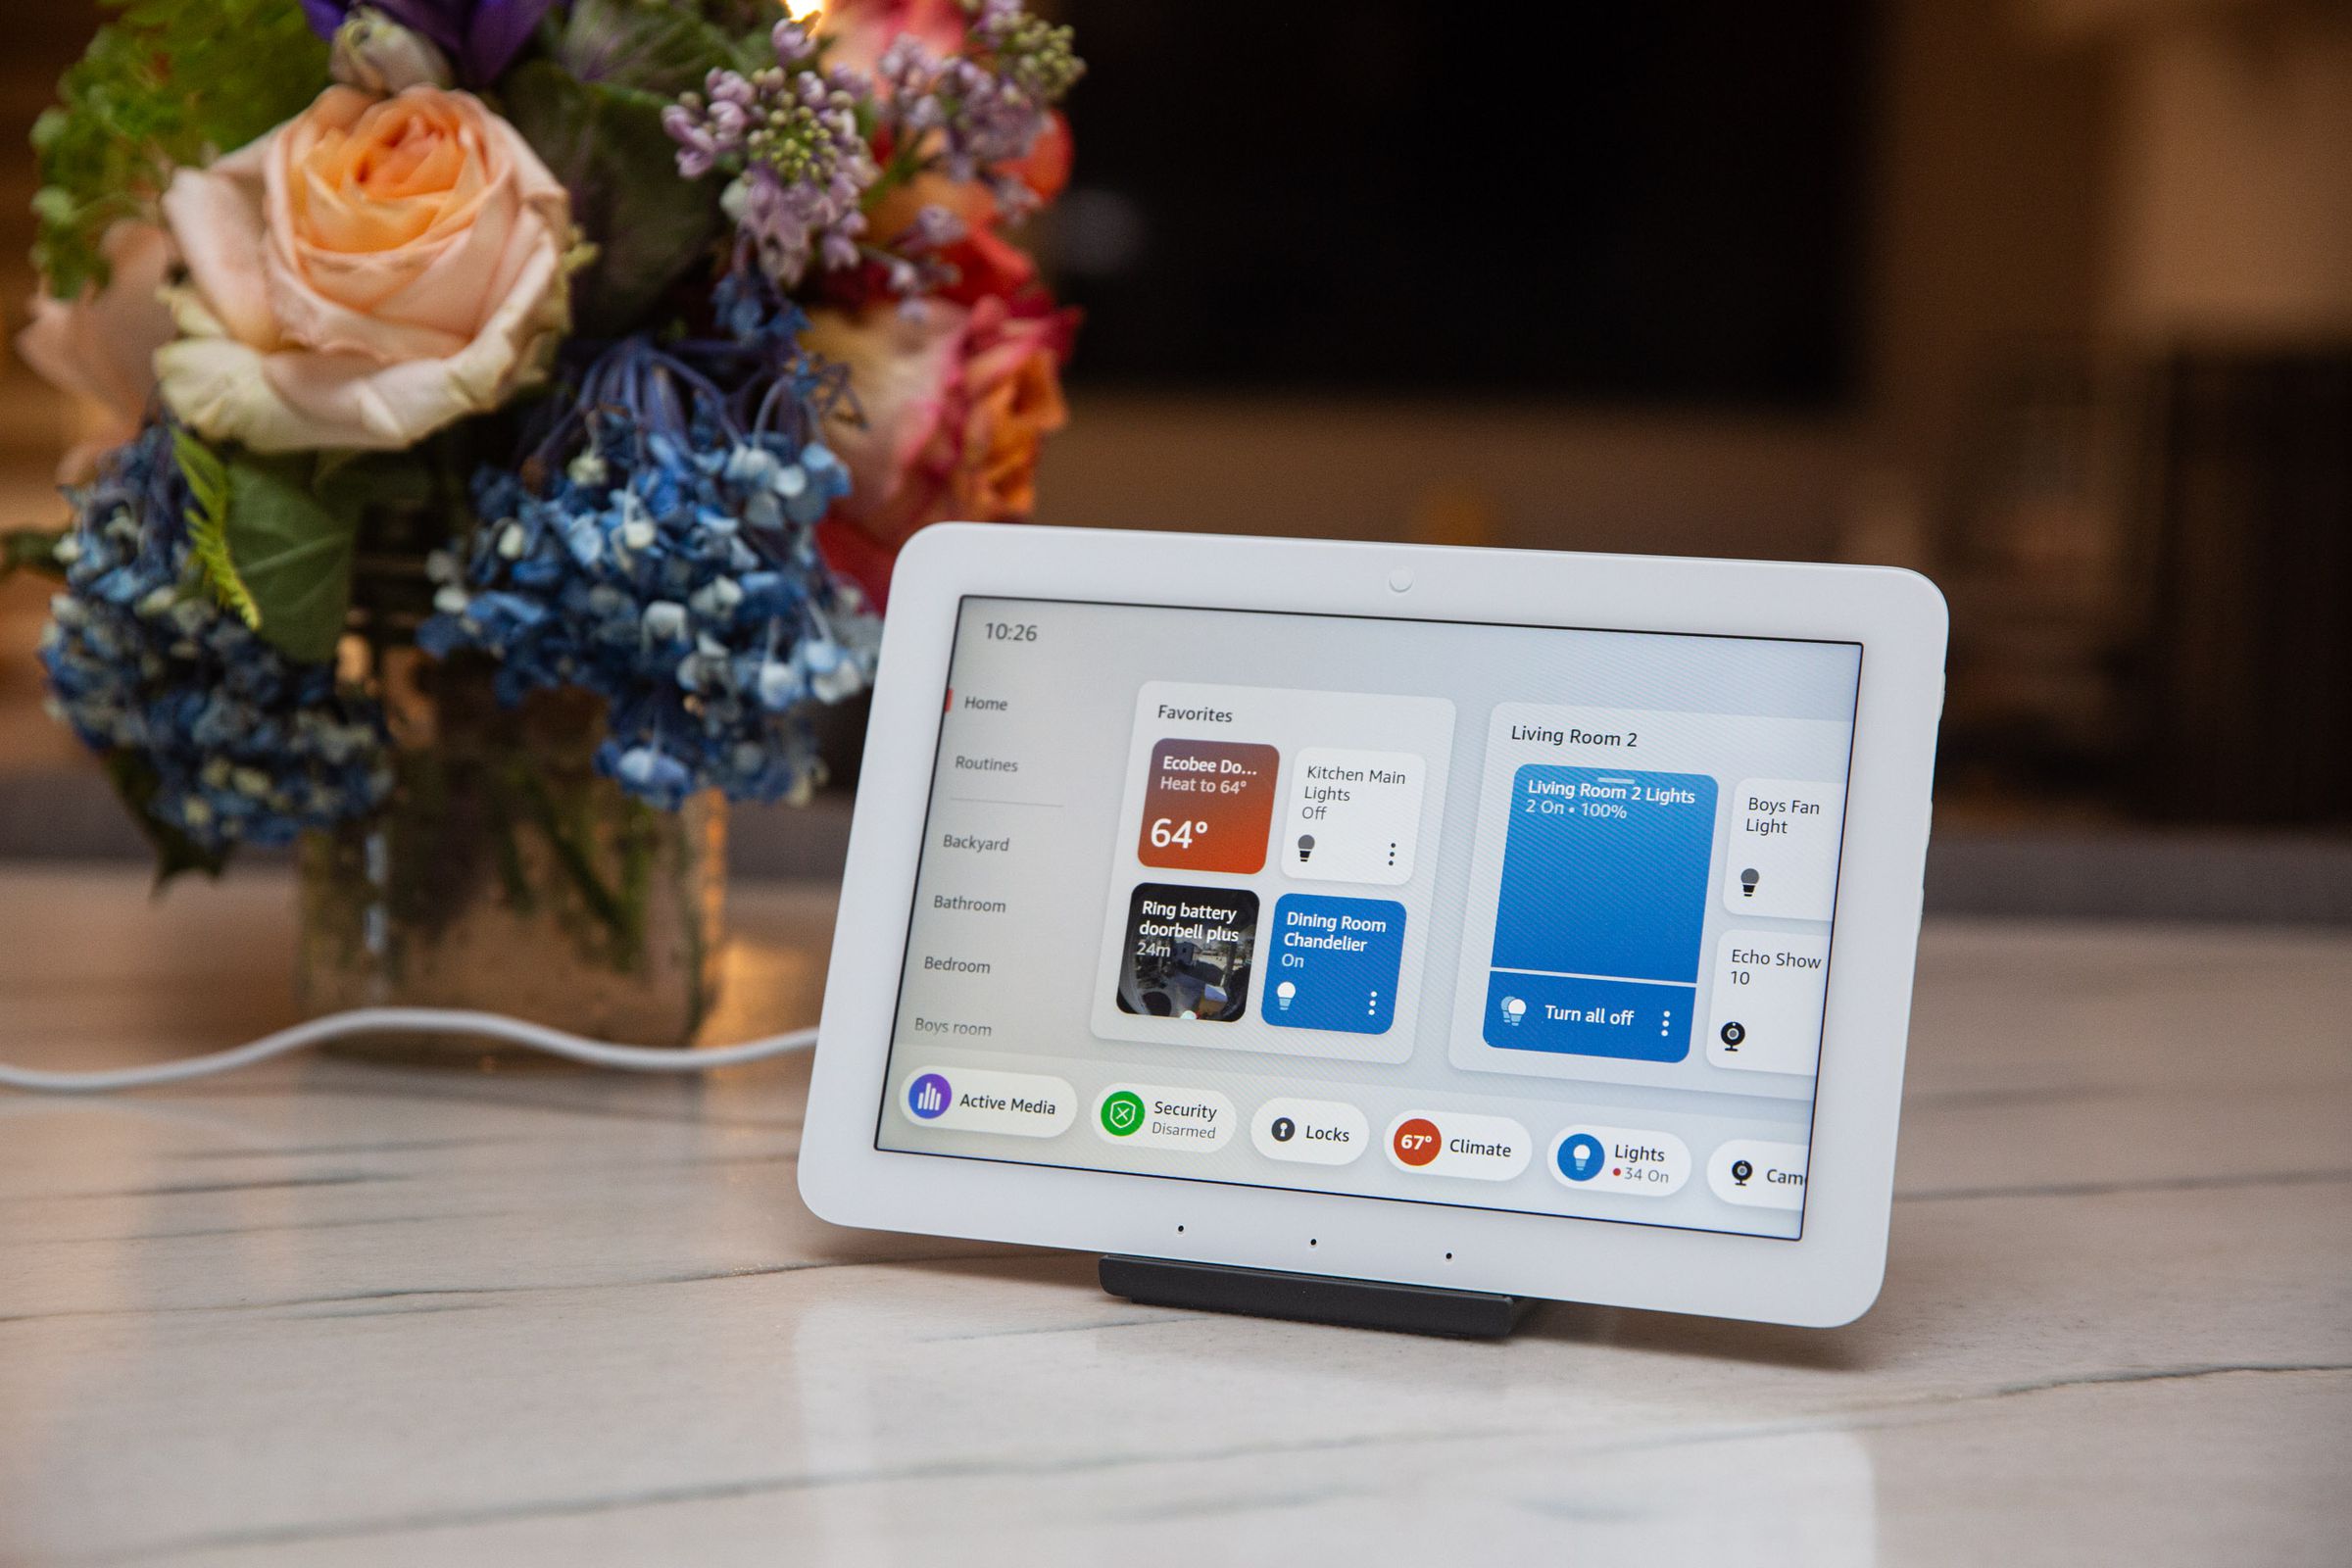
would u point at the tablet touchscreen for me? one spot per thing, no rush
(1511, 917)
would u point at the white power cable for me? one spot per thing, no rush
(409, 1020)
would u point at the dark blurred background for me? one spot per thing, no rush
(1660, 205)
(2050, 299)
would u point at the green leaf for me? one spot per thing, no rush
(651, 46)
(293, 552)
(207, 478)
(164, 84)
(32, 549)
(606, 143)
(134, 780)
(347, 483)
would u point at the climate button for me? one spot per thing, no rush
(1453, 1142)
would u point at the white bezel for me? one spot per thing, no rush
(1828, 1276)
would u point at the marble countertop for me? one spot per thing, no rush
(333, 1312)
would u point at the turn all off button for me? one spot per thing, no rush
(1452, 1142)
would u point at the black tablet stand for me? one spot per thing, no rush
(1313, 1297)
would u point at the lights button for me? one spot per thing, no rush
(1620, 1159)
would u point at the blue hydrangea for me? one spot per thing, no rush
(658, 547)
(240, 743)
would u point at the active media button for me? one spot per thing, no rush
(1310, 1132)
(971, 1099)
(1452, 1142)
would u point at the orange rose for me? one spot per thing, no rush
(1012, 392)
(985, 263)
(954, 406)
(365, 275)
(861, 29)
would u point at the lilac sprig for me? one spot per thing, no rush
(972, 114)
(1034, 55)
(795, 138)
(789, 133)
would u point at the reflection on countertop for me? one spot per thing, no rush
(335, 1313)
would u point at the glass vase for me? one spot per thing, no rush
(507, 874)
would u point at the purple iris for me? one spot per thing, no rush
(482, 37)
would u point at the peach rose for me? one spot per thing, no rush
(100, 346)
(365, 273)
(956, 403)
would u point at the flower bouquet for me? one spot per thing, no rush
(519, 407)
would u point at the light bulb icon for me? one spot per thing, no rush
(1307, 846)
(1747, 882)
(1513, 1009)
(1579, 1156)
(1283, 993)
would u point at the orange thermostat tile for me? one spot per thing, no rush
(1207, 805)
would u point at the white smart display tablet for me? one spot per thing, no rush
(1509, 921)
